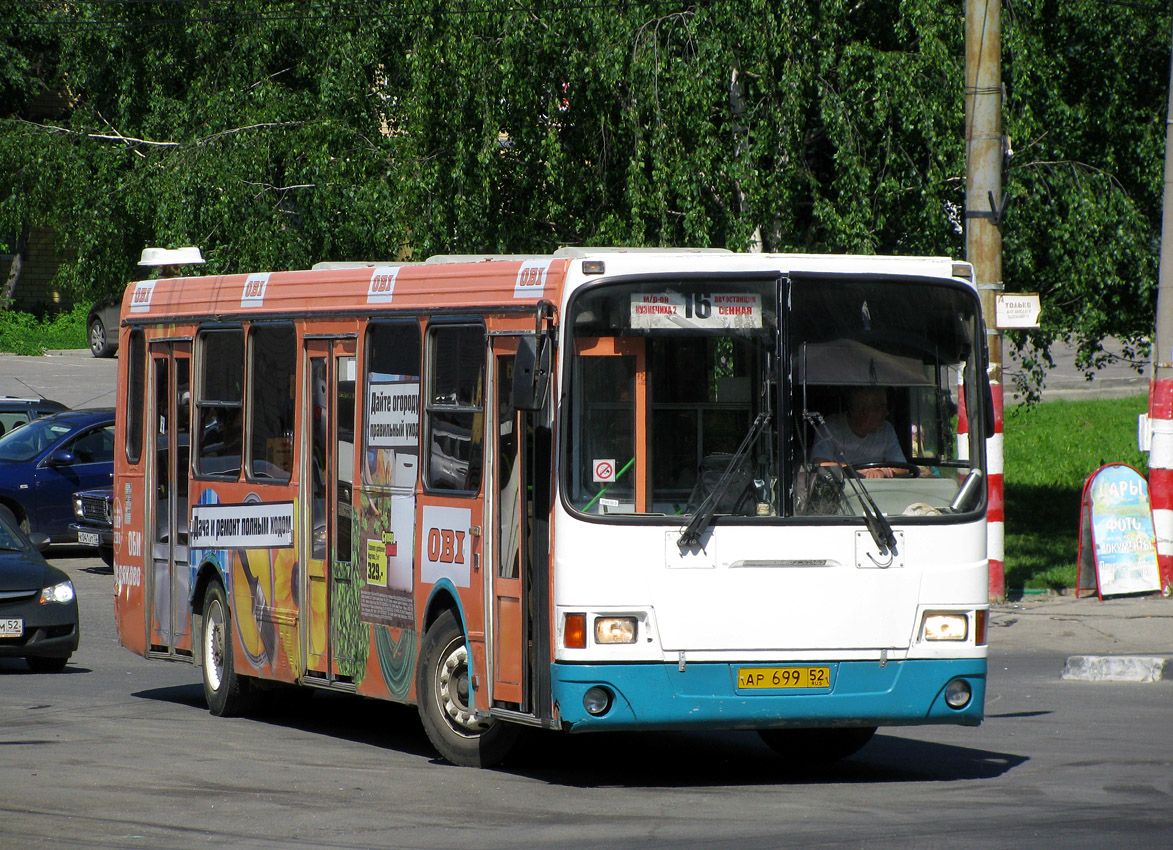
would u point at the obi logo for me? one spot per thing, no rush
(140, 299)
(253, 294)
(531, 279)
(134, 544)
(382, 285)
(446, 545)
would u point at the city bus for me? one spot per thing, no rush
(574, 492)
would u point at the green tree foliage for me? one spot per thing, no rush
(277, 134)
(1087, 85)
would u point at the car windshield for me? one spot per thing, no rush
(30, 440)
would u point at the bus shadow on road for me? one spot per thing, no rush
(697, 759)
(374, 723)
(621, 759)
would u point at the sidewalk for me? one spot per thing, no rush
(1119, 639)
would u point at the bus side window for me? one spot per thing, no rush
(455, 408)
(220, 403)
(135, 395)
(392, 409)
(272, 361)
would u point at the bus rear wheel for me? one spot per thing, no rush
(442, 687)
(817, 745)
(226, 693)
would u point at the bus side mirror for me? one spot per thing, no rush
(990, 422)
(531, 372)
(985, 373)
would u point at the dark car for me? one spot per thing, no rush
(102, 327)
(48, 460)
(38, 605)
(93, 511)
(15, 411)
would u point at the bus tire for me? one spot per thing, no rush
(442, 688)
(817, 745)
(227, 694)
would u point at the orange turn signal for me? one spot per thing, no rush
(981, 620)
(574, 631)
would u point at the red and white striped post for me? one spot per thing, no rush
(1161, 474)
(1161, 389)
(995, 513)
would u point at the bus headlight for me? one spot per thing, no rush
(615, 630)
(943, 626)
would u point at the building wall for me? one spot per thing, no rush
(34, 289)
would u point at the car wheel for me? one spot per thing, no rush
(442, 688)
(98, 345)
(226, 693)
(47, 665)
(107, 556)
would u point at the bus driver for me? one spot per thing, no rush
(863, 435)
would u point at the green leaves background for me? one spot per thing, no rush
(278, 134)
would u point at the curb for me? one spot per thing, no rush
(1140, 669)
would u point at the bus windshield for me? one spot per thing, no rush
(808, 396)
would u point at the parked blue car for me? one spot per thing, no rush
(45, 462)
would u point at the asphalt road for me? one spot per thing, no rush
(1066, 382)
(73, 378)
(119, 752)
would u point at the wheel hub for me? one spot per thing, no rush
(453, 692)
(214, 648)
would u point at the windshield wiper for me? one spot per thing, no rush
(877, 524)
(691, 534)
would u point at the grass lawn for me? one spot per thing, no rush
(1049, 450)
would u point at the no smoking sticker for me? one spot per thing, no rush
(604, 470)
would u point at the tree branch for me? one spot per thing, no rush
(119, 137)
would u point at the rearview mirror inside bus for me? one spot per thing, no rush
(531, 373)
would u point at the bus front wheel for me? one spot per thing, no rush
(226, 693)
(817, 745)
(445, 705)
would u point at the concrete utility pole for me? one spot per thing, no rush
(1161, 388)
(984, 152)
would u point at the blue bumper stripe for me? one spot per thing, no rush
(659, 696)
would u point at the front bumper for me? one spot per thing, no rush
(705, 695)
(50, 631)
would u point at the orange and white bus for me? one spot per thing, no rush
(601, 489)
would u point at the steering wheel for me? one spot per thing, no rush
(911, 470)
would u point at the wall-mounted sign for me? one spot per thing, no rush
(1117, 542)
(1017, 310)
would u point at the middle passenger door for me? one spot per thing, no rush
(331, 583)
